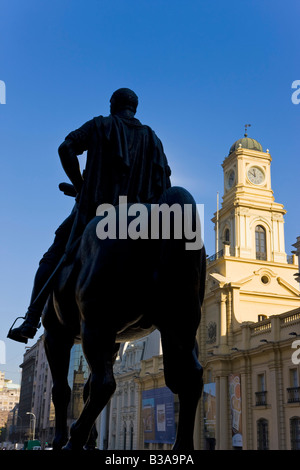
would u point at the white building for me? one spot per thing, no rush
(118, 424)
(36, 387)
(9, 397)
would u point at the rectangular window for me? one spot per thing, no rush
(295, 433)
(293, 392)
(261, 383)
(262, 317)
(261, 394)
(262, 435)
(294, 382)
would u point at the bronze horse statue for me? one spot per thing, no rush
(117, 290)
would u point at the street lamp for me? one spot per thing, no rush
(34, 421)
(20, 431)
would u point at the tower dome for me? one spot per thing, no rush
(246, 143)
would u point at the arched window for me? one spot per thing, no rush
(260, 242)
(131, 436)
(295, 433)
(262, 434)
(227, 236)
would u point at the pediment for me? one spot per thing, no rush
(260, 272)
(285, 284)
(262, 281)
(266, 280)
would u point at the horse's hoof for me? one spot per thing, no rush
(59, 442)
(71, 445)
(88, 447)
(183, 448)
(68, 446)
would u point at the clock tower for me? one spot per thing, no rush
(250, 276)
(250, 308)
(250, 223)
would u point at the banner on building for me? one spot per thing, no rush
(158, 415)
(236, 409)
(209, 403)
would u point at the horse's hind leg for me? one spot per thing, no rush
(58, 344)
(92, 439)
(183, 375)
(99, 351)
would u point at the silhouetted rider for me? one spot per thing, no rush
(124, 158)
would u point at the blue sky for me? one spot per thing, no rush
(201, 70)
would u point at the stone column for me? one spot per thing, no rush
(223, 349)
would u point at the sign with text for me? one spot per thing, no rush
(209, 403)
(158, 415)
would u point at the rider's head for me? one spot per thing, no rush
(123, 99)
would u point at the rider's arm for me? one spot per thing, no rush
(70, 164)
(75, 144)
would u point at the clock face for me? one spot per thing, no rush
(230, 179)
(256, 175)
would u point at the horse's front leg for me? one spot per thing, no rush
(58, 345)
(91, 443)
(99, 348)
(183, 375)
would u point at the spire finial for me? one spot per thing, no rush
(246, 125)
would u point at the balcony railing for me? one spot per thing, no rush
(262, 255)
(261, 398)
(293, 394)
(215, 256)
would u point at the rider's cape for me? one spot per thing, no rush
(124, 158)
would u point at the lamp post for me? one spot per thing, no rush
(20, 431)
(34, 421)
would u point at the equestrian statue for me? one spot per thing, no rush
(115, 272)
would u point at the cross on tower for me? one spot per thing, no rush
(246, 125)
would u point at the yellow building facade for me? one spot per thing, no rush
(249, 336)
(251, 314)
